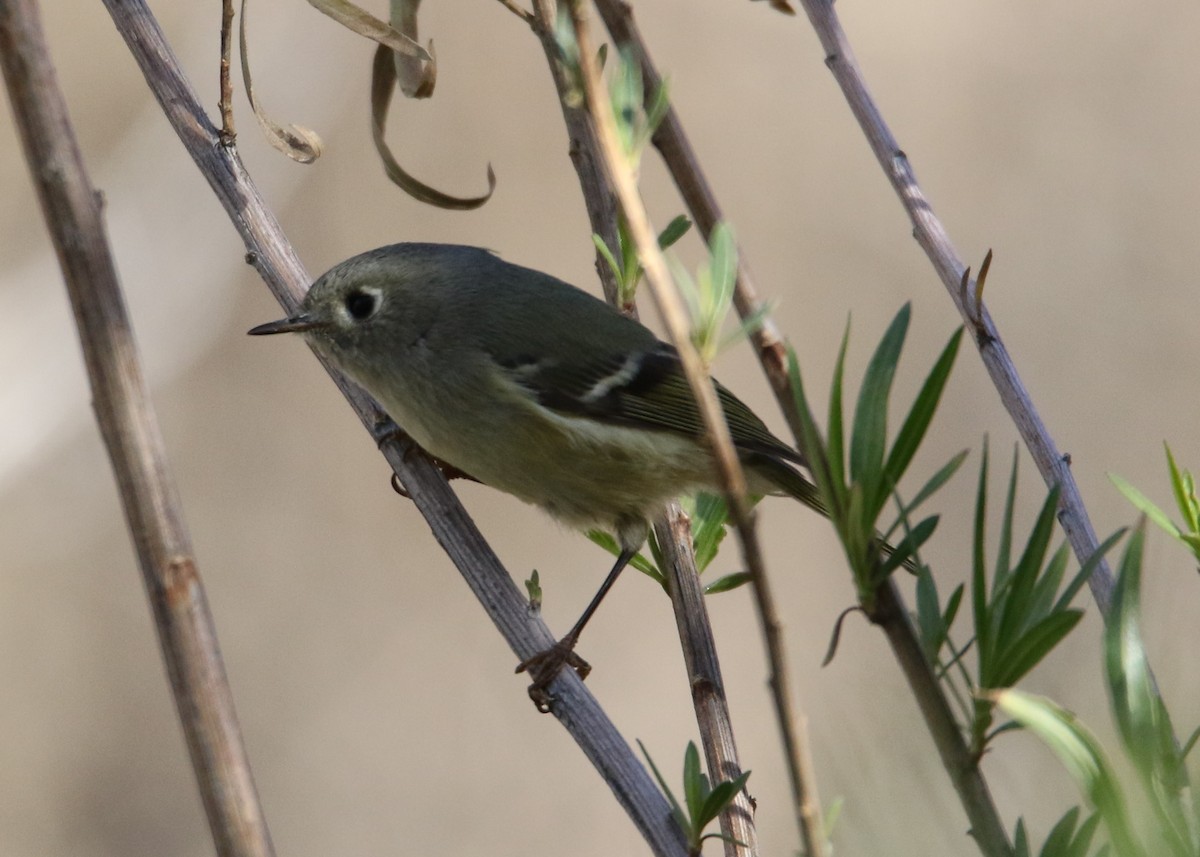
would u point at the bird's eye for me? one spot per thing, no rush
(361, 305)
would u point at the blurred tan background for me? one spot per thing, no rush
(378, 704)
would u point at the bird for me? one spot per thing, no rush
(534, 387)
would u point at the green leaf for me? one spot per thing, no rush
(721, 796)
(910, 544)
(1016, 607)
(1185, 493)
(1081, 754)
(533, 588)
(1021, 840)
(869, 436)
(606, 541)
(1003, 552)
(603, 250)
(912, 432)
(837, 437)
(1060, 835)
(983, 633)
(929, 615)
(723, 249)
(1041, 602)
(1142, 719)
(709, 516)
(1077, 582)
(1145, 505)
(1024, 653)
(728, 582)
(695, 785)
(952, 605)
(814, 445)
(675, 230)
(656, 111)
(935, 482)
(681, 817)
(1082, 842)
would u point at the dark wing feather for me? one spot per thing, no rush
(643, 389)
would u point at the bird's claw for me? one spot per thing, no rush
(544, 667)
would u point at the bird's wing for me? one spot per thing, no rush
(641, 388)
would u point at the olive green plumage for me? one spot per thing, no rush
(529, 384)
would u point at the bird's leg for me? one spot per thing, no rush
(544, 666)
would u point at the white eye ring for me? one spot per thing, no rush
(361, 303)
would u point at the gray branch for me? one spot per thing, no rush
(271, 254)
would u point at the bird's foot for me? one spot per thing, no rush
(545, 665)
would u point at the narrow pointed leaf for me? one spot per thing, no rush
(645, 566)
(1145, 505)
(1060, 835)
(1020, 594)
(1083, 757)
(1017, 659)
(676, 810)
(1142, 718)
(938, 479)
(912, 431)
(695, 784)
(978, 572)
(869, 436)
(1041, 602)
(814, 445)
(709, 515)
(728, 582)
(910, 544)
(1002, 568)
(1081, 577)
(721, 796)
(1185, 493)
(608, 257)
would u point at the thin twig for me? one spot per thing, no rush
(681, 162)
(269, 251)
(672, 143)
(987, 828)
(674, 315)
(130, 429)
(933, 238)
(677, 153)
(598, 196)
(228, 134)
(695, 632)
(704, 677)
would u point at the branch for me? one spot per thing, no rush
(987, 828)
(274, 258)
(933, 238)
(674, 534)
(732, 479)
(695, 631)
(681, 162)
(129, 426)
(672, 143)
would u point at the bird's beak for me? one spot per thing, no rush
(295, 324)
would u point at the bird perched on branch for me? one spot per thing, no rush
(534, 387)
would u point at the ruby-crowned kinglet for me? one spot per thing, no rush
(532, 386)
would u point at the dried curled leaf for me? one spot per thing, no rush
(416, 78)
(366, 24)
(383, 81)
(297, 142)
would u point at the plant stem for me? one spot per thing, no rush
(135, 446)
